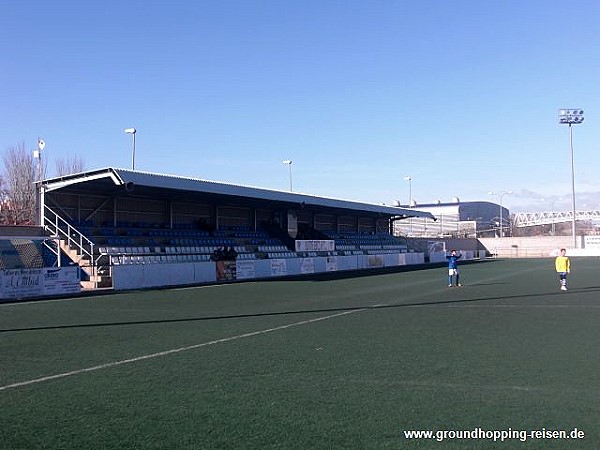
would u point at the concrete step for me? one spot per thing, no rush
(95, 281)
(104, 282)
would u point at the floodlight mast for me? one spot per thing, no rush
(571, 117)
(132, 131)
(409, 179)
(288, 162)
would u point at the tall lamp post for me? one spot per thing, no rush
(37, 154)
(409, 179)
(571, 117)
(132, 131)
(39, 209)
(500, 195)
(288, 162)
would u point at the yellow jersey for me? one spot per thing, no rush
(562, 264)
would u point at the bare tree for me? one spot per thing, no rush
(69, 165)
(4, 201)
(18, 206)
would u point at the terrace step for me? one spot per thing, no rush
(95, 280)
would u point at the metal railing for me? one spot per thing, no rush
(54, 249)
(59, 227)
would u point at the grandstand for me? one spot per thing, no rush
(21, 253)
(113, 222)
(33, 266)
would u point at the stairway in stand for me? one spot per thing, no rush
(97, 278)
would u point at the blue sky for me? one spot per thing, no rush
(462, 96)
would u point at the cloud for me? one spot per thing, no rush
(531, 201)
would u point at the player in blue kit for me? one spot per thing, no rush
(453, 268)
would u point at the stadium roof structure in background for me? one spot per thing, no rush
(119, 182)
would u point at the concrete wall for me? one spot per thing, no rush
(526, 247)
(20, 231)
(422, 244)
(139, 276)
(438, 257)
(510, 247)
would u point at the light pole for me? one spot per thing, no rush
(500, 195)
(571, 117)
(37, 154)
(288, 162)
(409, 179)
(39, 209)
(132, 131)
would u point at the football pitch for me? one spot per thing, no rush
(385, 361)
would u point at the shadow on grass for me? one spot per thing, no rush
(307, 311)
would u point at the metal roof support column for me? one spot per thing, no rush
(115, 212)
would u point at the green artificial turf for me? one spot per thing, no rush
(350, 362)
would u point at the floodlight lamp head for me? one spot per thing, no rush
(570, 116)
(287, 161)
(130, 130)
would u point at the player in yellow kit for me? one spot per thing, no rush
(563, 267)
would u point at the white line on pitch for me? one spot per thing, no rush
(172, 351)
(202, 286)
(516, 306)
(37, 302)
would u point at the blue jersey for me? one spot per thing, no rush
(452, 261)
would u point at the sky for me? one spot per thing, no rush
(461, 96)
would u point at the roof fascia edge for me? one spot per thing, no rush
(107, 173)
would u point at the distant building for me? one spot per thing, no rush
(456, 219)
